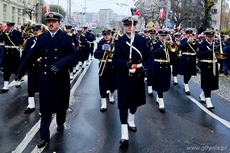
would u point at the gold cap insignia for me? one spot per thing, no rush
(129, 19)
(51, 15)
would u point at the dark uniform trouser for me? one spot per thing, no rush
(124, 114)
(187, 78)
(160, 94)
(207, 93)
(149, 78)
(46, 120)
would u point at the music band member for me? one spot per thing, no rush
(57, 54)
(161, 71)
(188, 47)
(11, 54)
(208, 67)
(33, 70)
(130, 54)
(151, 44)
(175, 57)
(82, 49)
(75, 42)
(107, 74)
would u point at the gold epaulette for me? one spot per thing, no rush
(69, 34)
(40, 34)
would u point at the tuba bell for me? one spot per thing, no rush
(26, 33)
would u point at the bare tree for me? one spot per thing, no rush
(29, 10)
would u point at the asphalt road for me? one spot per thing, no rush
(186, 125)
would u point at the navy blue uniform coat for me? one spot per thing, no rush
(54, 87)
(131, 88)
(33, 70)
(161, 72)
(11, 56)
(107, 81)
(208, 80)
(187, 62)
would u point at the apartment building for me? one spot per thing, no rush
(16, 11)
(220, 15)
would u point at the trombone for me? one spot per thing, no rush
(172, 46)
(221, 54)
(107, 52)
(7, 32)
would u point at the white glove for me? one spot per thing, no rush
(132, 70)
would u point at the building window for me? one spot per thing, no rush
(13, 12)
(214, 22)
(214, 11)
(4, 12)
(19, 16)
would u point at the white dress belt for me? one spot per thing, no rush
(161, 60)
(208, 61)
(188, 53)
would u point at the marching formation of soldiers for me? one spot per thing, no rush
(155, 55)
(51, 55)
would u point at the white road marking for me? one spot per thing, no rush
(30, 134)
(223, 121)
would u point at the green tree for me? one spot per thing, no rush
(207, 7)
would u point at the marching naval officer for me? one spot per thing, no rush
(130, 75)
(107, 74)
(188, 47)
(161, 72)
(58, 54)
(33, 70)
(11, 54)
(208, 68)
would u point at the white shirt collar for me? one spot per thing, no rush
(53, 33)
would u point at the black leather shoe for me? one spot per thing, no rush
(111, 102)
(60, 128)
(17, 86)
(150, 94)
(162, 110)
(210, 108)
(4, 90)
(29, 110)
(132, 128)
(42, 143)
(124, 143)
(174, 83)
(103, 109)
(187, 93)
(203, 101)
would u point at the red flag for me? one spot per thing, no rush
(137, 13)
(46, 8)
(73, 20)
(162, 13)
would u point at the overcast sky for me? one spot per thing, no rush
(119, 6)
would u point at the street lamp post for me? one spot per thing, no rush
(38, 11)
